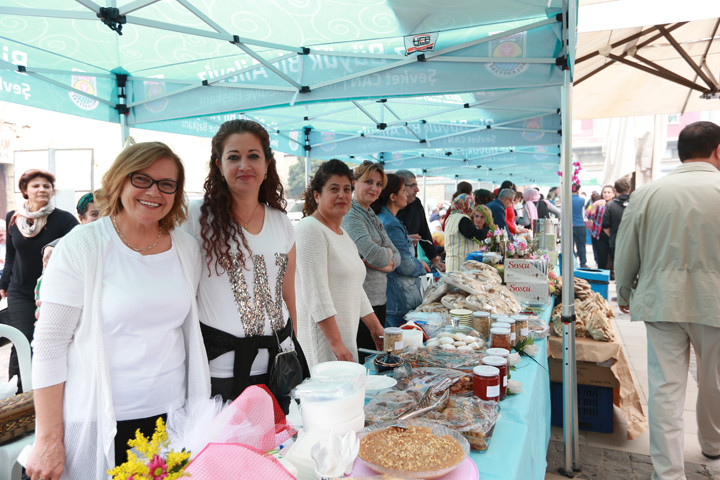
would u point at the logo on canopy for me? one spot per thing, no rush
(512, 46)
(155, 89)
(533, 127)
(327, 140)
(294, 143)
(423, 42)
(85, 84)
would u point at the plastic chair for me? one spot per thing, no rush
(9, 468)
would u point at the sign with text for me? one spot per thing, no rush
(520, 270)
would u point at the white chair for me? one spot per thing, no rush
(9, 468)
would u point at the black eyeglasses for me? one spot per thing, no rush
(140, 180)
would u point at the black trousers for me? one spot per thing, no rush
(364, 338)
(601, 249)
(22, 317)
(126, 431)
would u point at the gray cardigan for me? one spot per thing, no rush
(368, 233)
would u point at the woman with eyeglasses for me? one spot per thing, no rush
(118, 342)
(330, 273)
(247, 291)
(376, 249)
(29, 228)
(403, 285)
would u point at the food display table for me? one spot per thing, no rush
(518, 447)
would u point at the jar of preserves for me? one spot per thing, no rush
(481, 323)
(497, 352)
(513, 330)
(500, 338)
(502, 365)
(486, 382)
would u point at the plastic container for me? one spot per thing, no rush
(337, 370)
(412, 338)
(502, 365)
(500, 338)
(486, 382)
(393, 340)
(595, 407)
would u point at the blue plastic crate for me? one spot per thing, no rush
(598, 279)
(595, 407)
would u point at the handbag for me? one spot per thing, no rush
(286, 372)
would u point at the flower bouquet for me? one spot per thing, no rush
(157, 461)
(497, 241)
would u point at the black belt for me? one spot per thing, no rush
(218, 342)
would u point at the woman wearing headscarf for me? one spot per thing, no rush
(118, 342)
(461, 234)
(403, 284)
(246, 296)
(535, 208)
(29, 228)
(462, 188)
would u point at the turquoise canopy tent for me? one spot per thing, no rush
(356, 77)
(407, 76)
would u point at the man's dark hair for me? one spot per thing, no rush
(622, 186)
(483, 196)
(698, 140)
(507, 184)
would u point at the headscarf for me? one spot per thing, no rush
(83, 203)
(463, 203)
(531, 195)
(31, 223)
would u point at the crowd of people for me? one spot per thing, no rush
(153, 302)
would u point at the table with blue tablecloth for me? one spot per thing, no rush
(518, 447)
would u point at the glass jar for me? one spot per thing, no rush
(393, 340)
(522, 327)
(481, 323)
(502, 365)
(486, 382)
(513, 330)
(500, 338)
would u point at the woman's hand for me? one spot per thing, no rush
(438, 264)
(425, 266)
(341, 353)
(3, 294)
(47, 459)
(415, 238)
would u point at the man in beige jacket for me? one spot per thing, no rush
(667, 269)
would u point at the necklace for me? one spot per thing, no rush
(245, 225)
(124, 240)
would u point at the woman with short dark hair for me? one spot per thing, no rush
(29, 228)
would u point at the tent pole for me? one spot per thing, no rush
(570, 419)
(424, 172)
(308, 148)
(122, 108)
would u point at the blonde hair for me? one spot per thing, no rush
(132, 159)
(487, 214)
(363, 171)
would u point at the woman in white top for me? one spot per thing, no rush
(330, 272)
(118, 341)
(247, 292)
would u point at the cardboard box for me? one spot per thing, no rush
(530, 292)
(520, 270)
(588, 373)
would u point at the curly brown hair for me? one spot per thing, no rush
(218, 227)
(318, 181)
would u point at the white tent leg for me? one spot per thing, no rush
(570, 420)
(424, 201)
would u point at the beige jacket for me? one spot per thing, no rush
(668, 240)
(457, 246)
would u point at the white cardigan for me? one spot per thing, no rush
(88, 414)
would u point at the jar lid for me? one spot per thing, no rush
(495, 361)
(509, 320)
(461, 312)
(481, 313)
(500, 325)
(520, 317)
(500, 331)
(486, 371)
(392, 330)
(497, 352)
(495, 316)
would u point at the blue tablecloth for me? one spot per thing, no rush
(518, 447)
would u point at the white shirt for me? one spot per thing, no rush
(247, 301)
(135, 332)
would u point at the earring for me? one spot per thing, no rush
(265, 177)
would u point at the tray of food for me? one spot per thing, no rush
(412, 448)
(423, 377)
